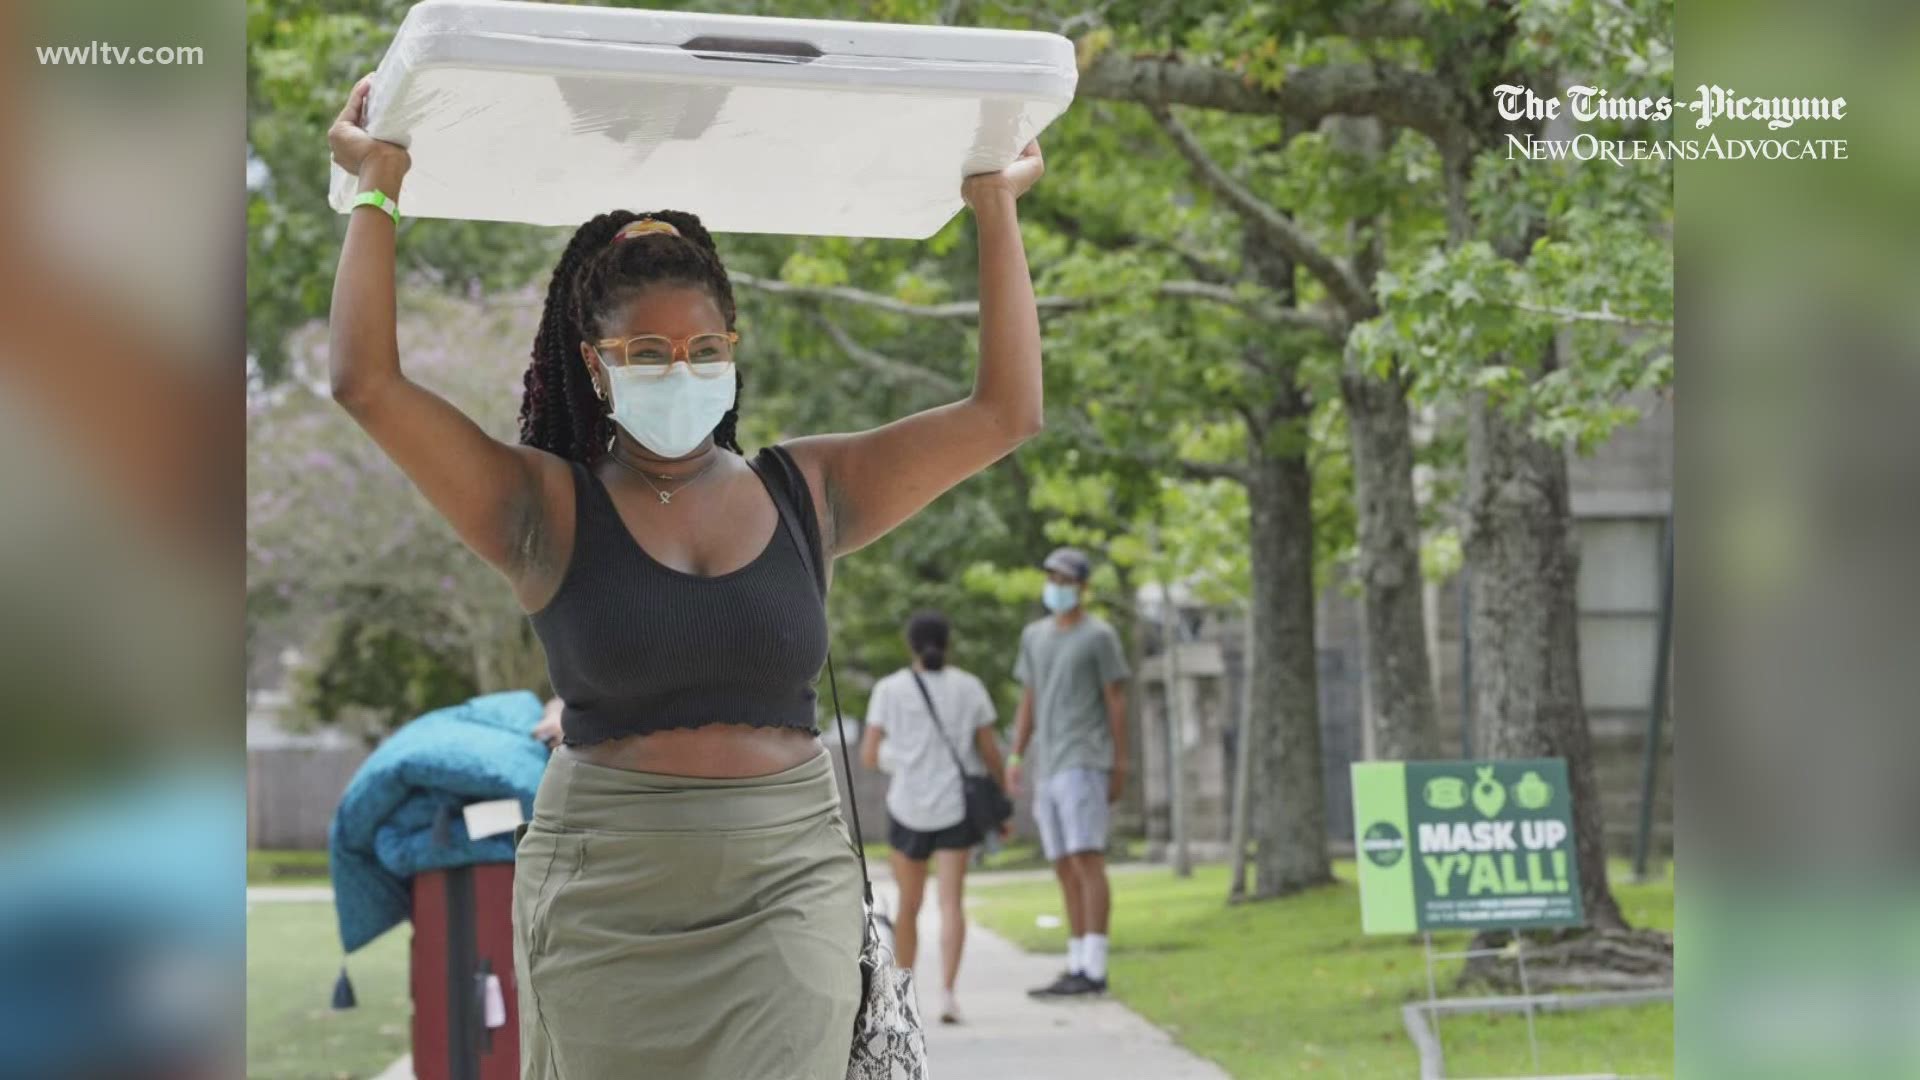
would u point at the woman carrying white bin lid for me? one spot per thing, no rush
(925, 723)
(687, 903)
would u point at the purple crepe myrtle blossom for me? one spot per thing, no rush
(325, 500)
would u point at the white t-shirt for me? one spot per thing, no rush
(925, 794)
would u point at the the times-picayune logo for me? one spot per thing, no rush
(1710, 105)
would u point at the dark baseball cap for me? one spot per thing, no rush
(1069, 561)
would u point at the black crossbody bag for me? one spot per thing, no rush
(988, 807)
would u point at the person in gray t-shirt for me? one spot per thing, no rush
(1073, 713)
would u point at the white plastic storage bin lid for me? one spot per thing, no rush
(550, 114)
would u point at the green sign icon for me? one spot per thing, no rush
(1446, 793)
(1531, 792)
(1488, 796)
(1383, 844)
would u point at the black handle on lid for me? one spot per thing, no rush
(752, 50)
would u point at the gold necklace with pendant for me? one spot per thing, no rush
(665, 495)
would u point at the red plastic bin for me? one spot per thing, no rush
(463, 955)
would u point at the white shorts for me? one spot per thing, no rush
(1070, 807)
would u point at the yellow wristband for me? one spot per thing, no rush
(379, 199)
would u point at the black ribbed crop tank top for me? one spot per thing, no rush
(634, 646)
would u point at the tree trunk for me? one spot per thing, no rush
(1288, 818)
(1399, 674)
(1526, 636)
(1578, 962)
(1176, 731)
(1130, 816)
(1242, 770)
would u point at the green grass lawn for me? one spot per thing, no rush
(1015, 855)
(1019, 855)
(293, 1033)
(287, 868)
(1291, 988)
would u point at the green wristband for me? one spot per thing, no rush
(1013, 759)
(379, 199)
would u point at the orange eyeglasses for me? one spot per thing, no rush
(705, 354)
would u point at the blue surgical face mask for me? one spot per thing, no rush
(671, 414)
(1059, 598)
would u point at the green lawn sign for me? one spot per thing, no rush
(1464, 845)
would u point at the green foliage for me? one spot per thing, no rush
(373, 676)
(1336, 526)
(1202, 542)
(1468, 320)
(1441, 554)
(303, 57)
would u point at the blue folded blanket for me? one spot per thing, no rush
(401, 813)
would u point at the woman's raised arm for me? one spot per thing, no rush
(868, 482)
(489, 490)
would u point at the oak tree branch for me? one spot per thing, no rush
(1352, 294)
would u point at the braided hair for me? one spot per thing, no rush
(560, 413)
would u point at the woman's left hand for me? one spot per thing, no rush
(548, 729)
(1016, 179)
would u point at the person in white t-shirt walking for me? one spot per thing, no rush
(919, 720)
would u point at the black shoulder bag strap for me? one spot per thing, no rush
(939, 727)
(782, 489)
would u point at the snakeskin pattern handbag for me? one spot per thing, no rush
(888, 1041)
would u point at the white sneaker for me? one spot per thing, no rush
(949, 1008)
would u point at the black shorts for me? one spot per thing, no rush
(919, 846)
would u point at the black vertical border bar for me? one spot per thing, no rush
(463, 1063)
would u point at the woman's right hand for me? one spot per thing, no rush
(349, 139)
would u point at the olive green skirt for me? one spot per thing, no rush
(675, 927)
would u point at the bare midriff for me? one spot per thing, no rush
(716, 752)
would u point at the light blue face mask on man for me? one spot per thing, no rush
(1059, 598)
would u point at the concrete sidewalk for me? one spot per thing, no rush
(1006, 1034)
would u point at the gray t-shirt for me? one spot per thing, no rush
(924, 793)
(1068, 671)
